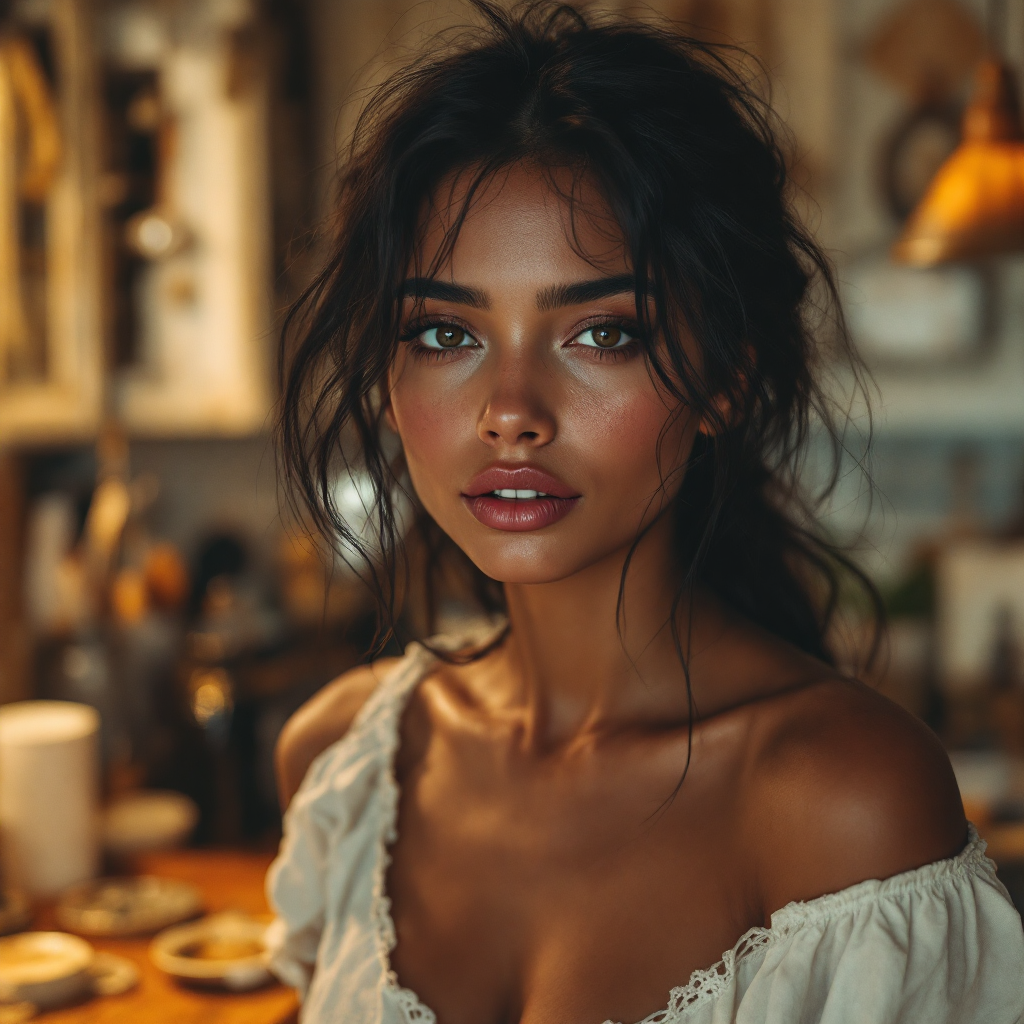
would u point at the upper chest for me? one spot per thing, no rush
(529, 889)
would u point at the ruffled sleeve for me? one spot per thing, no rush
(942, 944)
(322, 874)
(295, 891)
(296, 882)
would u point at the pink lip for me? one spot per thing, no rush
(514, 514)
(519, 478)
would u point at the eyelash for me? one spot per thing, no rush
(414, 329)
(417, 327)
(627, 351)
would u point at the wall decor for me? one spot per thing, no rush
(50, 331)
(188, 236)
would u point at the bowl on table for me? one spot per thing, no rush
(119, 907)
(226, 950)
(47, 970)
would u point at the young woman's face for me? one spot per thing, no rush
(532, 429)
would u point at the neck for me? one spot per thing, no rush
(578, 668)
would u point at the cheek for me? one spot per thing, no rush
(434, 423)
(618, 435)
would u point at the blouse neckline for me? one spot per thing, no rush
(704, 984)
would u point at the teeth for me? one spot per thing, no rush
(519, 495)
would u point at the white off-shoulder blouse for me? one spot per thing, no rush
(939, 945)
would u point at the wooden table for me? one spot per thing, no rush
(228, 881)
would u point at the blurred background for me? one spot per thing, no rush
(166, 178)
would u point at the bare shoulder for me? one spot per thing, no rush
(321, 721)
(845, 786)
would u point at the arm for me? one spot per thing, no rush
(321, 721)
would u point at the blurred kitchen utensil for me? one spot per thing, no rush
(147, 820)
(980, 591)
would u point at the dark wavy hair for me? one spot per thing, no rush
(689, 160)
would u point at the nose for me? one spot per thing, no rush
(517, 413)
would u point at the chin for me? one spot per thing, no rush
(523, 573)
(519, 562)
(529, 559)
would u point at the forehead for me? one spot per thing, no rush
(525, 217)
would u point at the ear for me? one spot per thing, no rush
(384, 390)
(389, 414)
(728, 413)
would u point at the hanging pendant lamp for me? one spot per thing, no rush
(974, 206)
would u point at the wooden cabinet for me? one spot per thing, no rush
(50, 320)
(189, 249)
(135, 208)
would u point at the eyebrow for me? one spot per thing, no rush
(584, 291)
(445, 291)
(550, 298)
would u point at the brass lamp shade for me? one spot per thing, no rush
(975, 204)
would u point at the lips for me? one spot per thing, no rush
(518, 498)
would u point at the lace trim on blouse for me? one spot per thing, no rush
(414, 1010)
(704, 985)
(707, 984)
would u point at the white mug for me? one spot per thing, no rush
(49, 795)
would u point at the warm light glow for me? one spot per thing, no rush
(975, 204)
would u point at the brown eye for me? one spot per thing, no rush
(606, 337)
(450, 337)
(447, 337)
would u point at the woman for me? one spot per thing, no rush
(569, 281)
